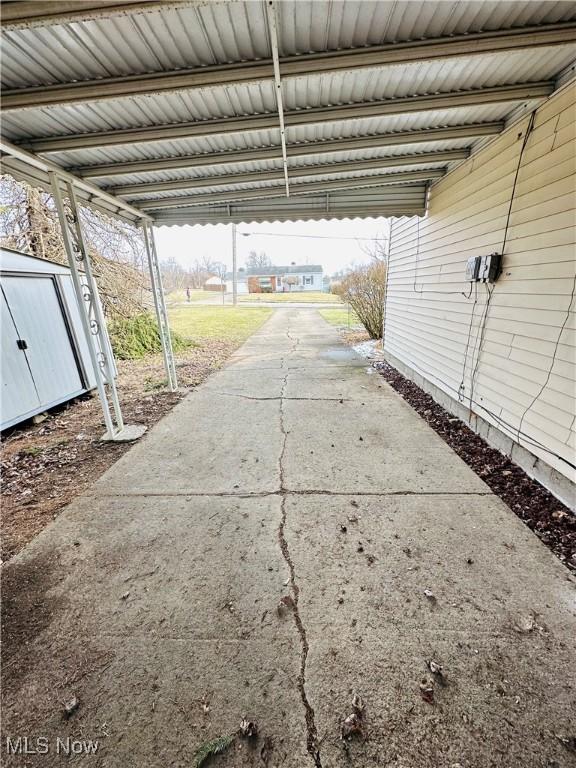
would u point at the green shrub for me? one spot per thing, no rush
(135, 337)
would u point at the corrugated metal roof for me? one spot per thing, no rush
(393, 123)
(163, 40)
(296, 178)
(175, 39)
(299, 93)
(219, 32)
(316, 25)
(294, 164)
(446, 75)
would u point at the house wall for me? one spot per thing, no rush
(316, 284)
(255, 287)
(508, 364)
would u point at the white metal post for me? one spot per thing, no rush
(234, 268)
(272, 29)
(91, 314)
(160, 306)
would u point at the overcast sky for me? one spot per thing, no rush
(327, 248)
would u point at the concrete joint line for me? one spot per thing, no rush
(281, 492)
(279, 397)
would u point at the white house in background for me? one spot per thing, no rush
(293, 278)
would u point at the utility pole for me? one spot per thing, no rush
(234, 268)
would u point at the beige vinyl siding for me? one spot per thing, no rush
(516, 349)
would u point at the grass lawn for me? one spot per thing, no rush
(179, 297)
(340, 316)
(312, 297)
(219, 323)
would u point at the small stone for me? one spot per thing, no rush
(352, 726)
(358, 703)
(434, 667)
(427, 690)
(248, 728)
(71, 706)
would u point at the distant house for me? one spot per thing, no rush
(295, 278)
(214, 283)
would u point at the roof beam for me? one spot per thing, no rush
(296, 189)
(381, 141)
(447, 156)
(292, 66)
(403, 105)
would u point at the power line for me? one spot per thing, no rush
(489, 292)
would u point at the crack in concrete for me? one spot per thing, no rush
(312, 744)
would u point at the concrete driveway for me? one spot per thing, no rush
(291, 534)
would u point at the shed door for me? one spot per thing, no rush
(19, 394)
(37, 314)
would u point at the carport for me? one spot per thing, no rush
(170, 113)
(292, 544)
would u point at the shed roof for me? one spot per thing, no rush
(193, 112)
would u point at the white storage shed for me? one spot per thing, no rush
(45, 357)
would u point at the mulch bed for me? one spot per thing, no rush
(550, 520)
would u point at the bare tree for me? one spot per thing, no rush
(29, 223)
(377, 248)
(174, 276)
(200, 271)
(258, 260)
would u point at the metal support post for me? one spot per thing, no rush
(234, 268)
(92, 317)
(160, 306)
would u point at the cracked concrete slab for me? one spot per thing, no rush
(380, 554)
(252, 556)
(353, 447)
(196, 568)
(207, 444)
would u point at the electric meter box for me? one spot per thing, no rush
(485, 269)
(472, 268)
(490, 268)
